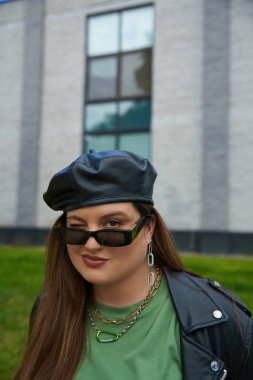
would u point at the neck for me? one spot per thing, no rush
(124, 292)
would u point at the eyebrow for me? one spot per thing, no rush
(75, 217)
(108, 215)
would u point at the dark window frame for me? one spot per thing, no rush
(117, 132)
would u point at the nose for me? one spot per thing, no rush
(92, 244)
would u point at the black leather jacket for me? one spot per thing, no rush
(216, 329)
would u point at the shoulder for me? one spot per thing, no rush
(201, 302)
(210, 288)
(213, 319)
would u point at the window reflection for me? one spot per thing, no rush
(136, 142)
(102, 78)
(103, 32)
(134, 114)
(101, 117)
(136, 73)
(118, 80)
(99, 143)
(137, 28)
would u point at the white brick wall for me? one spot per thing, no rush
(11, 67)
(61, 139)
(177, 105)
(63, 97)
(177, 111)
(241, 117)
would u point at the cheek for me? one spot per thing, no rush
(73, 252)
(144, 239)
(73, 249)
(136, 251)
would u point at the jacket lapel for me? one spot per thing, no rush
(196, 310)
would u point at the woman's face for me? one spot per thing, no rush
(101, 265)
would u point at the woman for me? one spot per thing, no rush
(117, 302)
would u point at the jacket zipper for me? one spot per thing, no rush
(225, 372)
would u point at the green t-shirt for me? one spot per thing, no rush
(149, 350)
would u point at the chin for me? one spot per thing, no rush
(95, 278)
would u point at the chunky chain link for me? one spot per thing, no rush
(134, 315)
(141, 307)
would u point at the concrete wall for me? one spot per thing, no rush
(177, 111)
(61, 136)
(202, 134)
(11, 73)
(64, 82)
(241, 118)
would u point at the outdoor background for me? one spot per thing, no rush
(171, 80)
(21, 278)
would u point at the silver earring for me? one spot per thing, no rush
(151, 262)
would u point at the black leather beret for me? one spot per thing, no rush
(104, 177)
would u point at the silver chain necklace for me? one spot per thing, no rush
(110, 336)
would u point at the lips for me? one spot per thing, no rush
(93, 261)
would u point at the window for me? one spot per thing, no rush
(117, 111)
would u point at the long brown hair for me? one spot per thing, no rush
(58, 337)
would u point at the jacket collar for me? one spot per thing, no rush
(193, 300)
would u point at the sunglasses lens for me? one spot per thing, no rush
(112, 238)
(108, 238)
(72, 236)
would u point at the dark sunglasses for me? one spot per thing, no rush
(108, 238)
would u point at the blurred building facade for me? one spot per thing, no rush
(169, 79)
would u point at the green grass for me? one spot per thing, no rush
(21, 276)
(235, 273)
(21, 273)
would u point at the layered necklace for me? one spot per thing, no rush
(106, 336)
